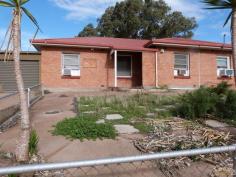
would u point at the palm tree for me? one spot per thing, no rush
(22, 154)
(226, 5)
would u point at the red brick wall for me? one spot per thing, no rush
(203, 68)
(94, 69)
(149, 69)
(97, 69)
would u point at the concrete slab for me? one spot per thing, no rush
(160, 110)
(150, 114)
(126, 129)
(101, 121)
(114, 117)
(215, 124)
(89, 112)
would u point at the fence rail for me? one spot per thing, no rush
(120, 160)
(33, 94)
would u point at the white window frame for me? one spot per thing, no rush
(228, 63)
(188, 63)
(131, 67)
(62, 62)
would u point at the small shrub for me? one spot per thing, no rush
(33, 143)
(84, 128)
(219, 101)
(226, 106)
(12, 175)
(196, 104)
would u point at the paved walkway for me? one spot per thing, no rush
(57, 148)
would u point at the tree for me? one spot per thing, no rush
(145, 20)
(226, 5)
(22, 153)
(89, 30)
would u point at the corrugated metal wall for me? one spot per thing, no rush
(30, 71)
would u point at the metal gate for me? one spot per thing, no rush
(30, 72)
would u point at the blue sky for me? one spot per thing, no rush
(65, 18)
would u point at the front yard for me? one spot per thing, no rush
(97, 116)
(157, 118)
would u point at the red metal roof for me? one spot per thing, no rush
(127, 44)
(187, 42)
(106, 42)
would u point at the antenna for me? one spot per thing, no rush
(224, 37)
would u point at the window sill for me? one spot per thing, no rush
(70, 77)
(182, 77)
(124, 77)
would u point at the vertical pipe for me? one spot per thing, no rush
(28, 97)
(115, 67)
(234, 163)
(156, 74)
(199, 68)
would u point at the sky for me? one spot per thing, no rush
(66, 18)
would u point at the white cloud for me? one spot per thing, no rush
(189, 8)
(78, 9)
(81, 9)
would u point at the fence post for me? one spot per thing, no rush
(28, 97)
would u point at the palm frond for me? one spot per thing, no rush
(6, 4)
(215, 4)
(22, 2)
(31, 17)
(228, 18)
(15, 2)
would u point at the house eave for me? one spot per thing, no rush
(39, 45)
(191, 46)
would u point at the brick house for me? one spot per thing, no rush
(101, 62)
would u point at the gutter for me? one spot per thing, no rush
(193, 46)
(70, 45)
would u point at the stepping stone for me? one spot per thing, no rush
(160, 110)
(106, 108)
(126, 129)
(150, 114)
(89, 112)
(101, 121)
(114, 117)
(85, 105)
(169, 106)
(215, 124)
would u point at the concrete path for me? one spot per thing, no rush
(57, 148)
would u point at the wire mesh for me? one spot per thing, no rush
(150, 168)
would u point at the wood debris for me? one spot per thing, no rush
(178, 134)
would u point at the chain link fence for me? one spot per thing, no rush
(134, 166)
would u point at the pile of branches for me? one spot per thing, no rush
(178, 134)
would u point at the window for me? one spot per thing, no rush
(223, 63)
(124, 66)
(223, 67)
(71, 65)
(181, 66)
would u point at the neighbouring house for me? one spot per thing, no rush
(30, 65)
(102, 62)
